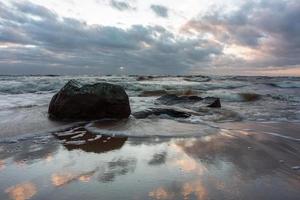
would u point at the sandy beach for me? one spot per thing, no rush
(242, 163)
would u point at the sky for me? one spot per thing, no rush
(170, 37)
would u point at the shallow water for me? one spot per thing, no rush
(227, 164)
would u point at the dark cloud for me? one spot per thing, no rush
(121, 5)
(37, 40)
(160, 10)
(270, 28)
(34, 39)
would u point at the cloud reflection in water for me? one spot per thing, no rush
(23, 191)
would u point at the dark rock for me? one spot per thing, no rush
(250, 96)
(171, 99)
(152, 93)
(95, 101)
(172, 112)
(144, 78)
(212, 102)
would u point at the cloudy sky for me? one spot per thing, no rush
(249, 37)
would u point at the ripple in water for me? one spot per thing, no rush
(154, 127)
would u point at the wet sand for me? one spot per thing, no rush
(16, 122)
(243, 161)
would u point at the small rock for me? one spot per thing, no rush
(212, 102)
(171, 99)
(172, 112)
(250, 96)
(152, 93)
(144, 78)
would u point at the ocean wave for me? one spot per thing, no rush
(26, 86)
(234, 96)
(242, 98)
(198, 79)
(29, 100)
(286, 84)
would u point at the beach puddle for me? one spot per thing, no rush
(226, 164)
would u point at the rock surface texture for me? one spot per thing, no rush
(93, 101)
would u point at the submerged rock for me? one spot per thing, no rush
(250, 96)
(144, 78)
(172, 112)
(171, 99)
(94, 101)
(152, 93)
(212, 102)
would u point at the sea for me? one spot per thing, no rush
(24, 100)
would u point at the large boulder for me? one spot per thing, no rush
(91, 101)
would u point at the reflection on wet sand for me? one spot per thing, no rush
(106, 173)
(30, 150)
(61, 179)
(252, 155)
(188, 190)
(116, 168)
(49, 158)
(23, 191)
(101, 145)
(160, 193)
(194, 188)
(2, 165)
(158, 158)
(187, 163)
(229, 164)
(80, 138)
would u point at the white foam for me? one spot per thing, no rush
(78, 136)
(75, 142)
